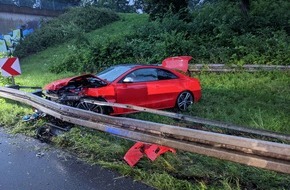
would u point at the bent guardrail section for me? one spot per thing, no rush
(258, 153)
(236, 68)
(199, 120)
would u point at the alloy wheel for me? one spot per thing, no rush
(184, 100)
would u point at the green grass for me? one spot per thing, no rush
(258, 100)
(120, 28)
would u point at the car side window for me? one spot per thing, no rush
(143, 75)
(165, 75)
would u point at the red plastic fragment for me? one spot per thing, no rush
(155, 150)
(152, 151)
(134, 154)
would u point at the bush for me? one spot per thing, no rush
(225, 16)
(219, 32)
(222, 33)
(89, 18)
(84, 56)
(67, 26)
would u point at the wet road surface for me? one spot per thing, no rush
(27, 164)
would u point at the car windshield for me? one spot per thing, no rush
(114, 72)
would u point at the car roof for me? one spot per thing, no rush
(135, 65)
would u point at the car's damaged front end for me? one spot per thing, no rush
(69, 91)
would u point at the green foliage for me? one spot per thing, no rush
(226, 17)
(149, 43)
(3, 55)
(11, 112)
(116, 5)
(3, 81)
(219, 32)
(267, 92)
(89, 18)
(158, 8)
(249, 49)
(77, 60)
(183, 170)
(211, 37)
(69, 25)
(270, 14)
(261, 99)
(90, 57)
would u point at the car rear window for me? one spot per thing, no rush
(165, 75)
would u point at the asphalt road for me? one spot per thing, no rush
(27, 164)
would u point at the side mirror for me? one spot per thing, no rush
(128, 80)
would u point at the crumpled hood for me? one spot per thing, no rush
(58, 84)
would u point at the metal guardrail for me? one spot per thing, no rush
(235, 68)
(258, 153)
(199, 120)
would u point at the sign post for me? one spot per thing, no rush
(13, 80)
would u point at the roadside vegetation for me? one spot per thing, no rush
(72, 24)
(216, 33)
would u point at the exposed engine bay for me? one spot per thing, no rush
(70, 91)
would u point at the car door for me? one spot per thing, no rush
(166, 89)
(133, 88)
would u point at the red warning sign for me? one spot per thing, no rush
(10, 66)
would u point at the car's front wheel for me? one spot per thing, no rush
(83, 104)
(184, 100)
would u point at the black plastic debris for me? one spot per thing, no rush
(47, 131)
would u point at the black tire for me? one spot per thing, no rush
(184, 100)
(92, 107)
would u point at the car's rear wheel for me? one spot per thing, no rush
(184, 100)
(90, 106)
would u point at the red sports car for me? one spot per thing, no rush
(150, 86)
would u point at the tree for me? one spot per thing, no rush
(73, 2)
(245, 6)
(116, 5)
(138, 5)
(158, 8)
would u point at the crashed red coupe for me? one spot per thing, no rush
(150, 86)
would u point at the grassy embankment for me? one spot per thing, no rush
(259, 100)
